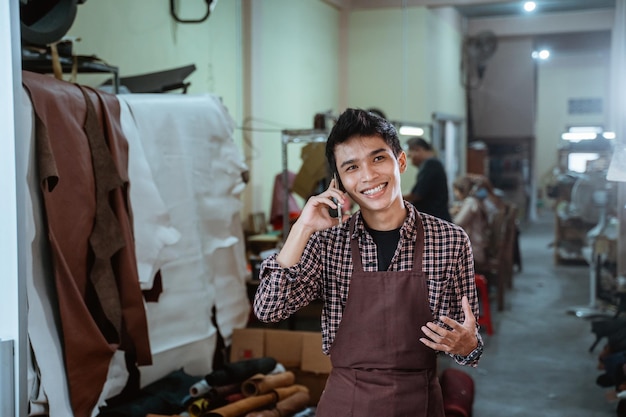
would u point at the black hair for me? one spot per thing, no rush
(358, 122)
(377, 112)
(418, 142)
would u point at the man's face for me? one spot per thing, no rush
(417, 156)
(370, 172)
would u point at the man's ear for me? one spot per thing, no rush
(402, 162)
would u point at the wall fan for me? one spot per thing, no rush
(477, 50)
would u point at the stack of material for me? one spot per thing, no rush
(257, 387)
(269, 391)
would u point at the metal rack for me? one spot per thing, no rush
(42, 63)
(288, 137)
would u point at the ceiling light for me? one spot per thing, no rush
(529, 6)
(543, 54)
(578, 136)
(411, 131)
(587, 129)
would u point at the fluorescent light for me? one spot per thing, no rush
(608, 135)
(585, 129)
(543, 54)
(529, 6)
(576, 136)
(411, 131)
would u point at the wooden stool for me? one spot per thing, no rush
(483, 297)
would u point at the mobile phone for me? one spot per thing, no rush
(339, 211)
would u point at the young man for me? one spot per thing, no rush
(430, 192)
(397, 284)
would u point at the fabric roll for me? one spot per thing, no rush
(248, 404)
(223, 392)
(285, 392)
(214, 397)
(199, 407)
(237, 372)
(241, 407)
(262, 384)
(200, 388)
(163, 396)
(287, 407)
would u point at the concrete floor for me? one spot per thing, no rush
(537, 362)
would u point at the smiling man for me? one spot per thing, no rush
(397, 284)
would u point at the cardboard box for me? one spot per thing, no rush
(298, 351)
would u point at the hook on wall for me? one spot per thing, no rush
(210, 5)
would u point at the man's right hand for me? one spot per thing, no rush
(313, 217)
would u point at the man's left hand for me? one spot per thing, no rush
(460, 340)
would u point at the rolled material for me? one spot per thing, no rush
(237, 372)
(287, 407)
(199, 388)
(223, 392)
(246, 405)
(262, 384)
(287, 391)
(241, 407)
(215, 397)
(199, 407)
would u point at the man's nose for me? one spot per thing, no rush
(369, 172)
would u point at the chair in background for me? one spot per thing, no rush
(485, 309)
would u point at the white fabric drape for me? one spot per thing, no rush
(187, 142)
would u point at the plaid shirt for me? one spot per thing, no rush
(325, 269)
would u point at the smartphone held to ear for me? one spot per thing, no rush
(338, 212)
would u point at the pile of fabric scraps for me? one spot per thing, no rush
(258, 387)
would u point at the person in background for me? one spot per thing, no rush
(469, 212)
(488, 195)
(430, 192)
(397, 285)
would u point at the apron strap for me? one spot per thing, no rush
(354, 247)
(419, 244)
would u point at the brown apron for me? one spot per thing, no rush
(380, 368)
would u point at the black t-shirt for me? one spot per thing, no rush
(386, 244)
(432, 188)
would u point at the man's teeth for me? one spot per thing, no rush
(374, 190)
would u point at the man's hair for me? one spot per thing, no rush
(377, 112)
(418, 142)
(358, 122)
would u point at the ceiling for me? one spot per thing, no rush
(515, 8)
